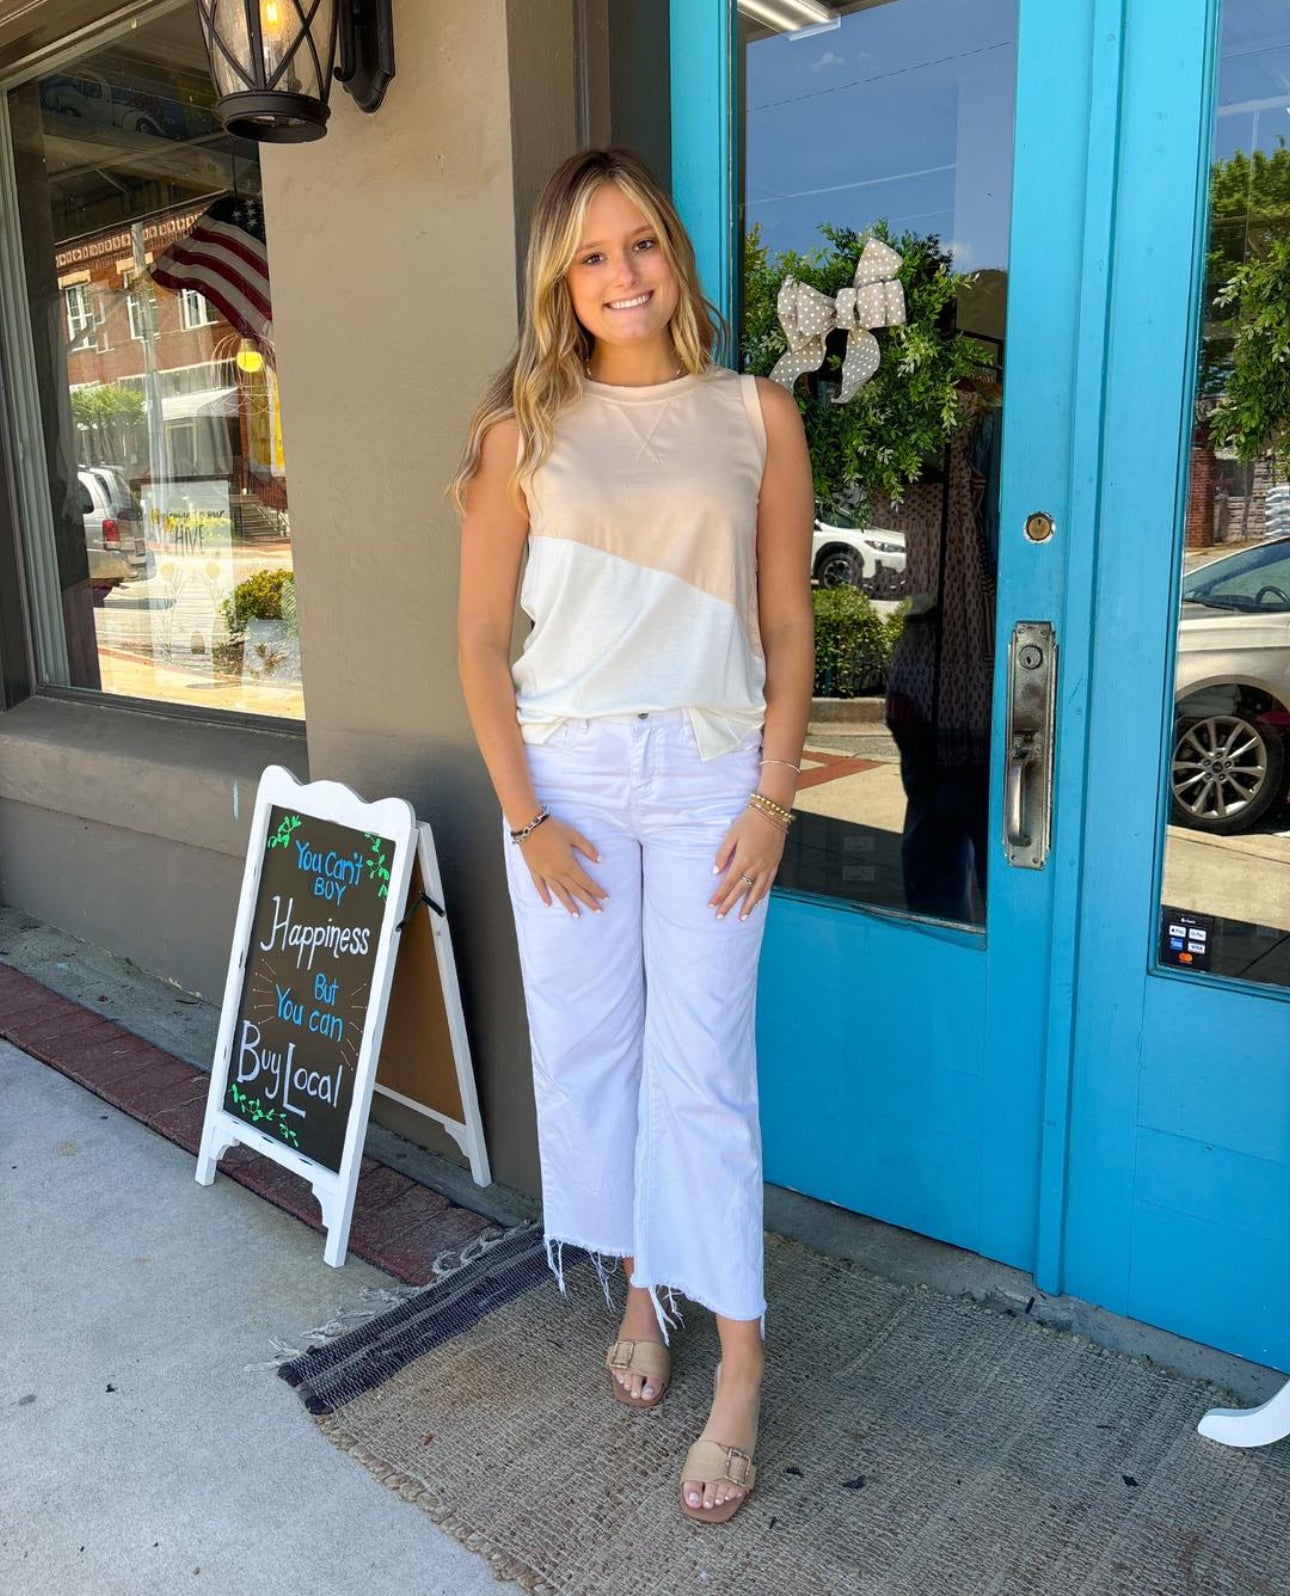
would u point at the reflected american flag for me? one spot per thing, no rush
(223, 257)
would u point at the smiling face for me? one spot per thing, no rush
(623, 288)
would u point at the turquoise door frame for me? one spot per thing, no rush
(1029, 1094)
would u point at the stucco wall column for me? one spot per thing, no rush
(392, 244)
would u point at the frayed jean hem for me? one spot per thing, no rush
(604, 1261)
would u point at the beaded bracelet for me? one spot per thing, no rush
(762, 800)
(524, 831)
(770, 810)
(781, 825)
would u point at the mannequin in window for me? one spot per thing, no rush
(942, 671)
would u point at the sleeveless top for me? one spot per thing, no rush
(641, 579)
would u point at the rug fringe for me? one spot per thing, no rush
(374, 1300)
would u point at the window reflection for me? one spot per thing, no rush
(160, 563)
(1227, 855)
(894, 124)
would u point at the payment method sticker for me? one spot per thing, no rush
(1186, 939)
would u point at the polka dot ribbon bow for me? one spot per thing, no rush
(807, 316)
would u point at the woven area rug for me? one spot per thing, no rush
(912, 1445)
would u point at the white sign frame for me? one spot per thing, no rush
(468, 1133)
(394, 819)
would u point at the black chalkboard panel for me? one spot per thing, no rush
(308, 982)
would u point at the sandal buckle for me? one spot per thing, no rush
(737, 1466)
(622, 1354)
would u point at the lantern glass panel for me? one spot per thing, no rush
(288, 28)
(230, 25)
(296, 46)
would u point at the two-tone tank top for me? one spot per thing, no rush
(641, 580)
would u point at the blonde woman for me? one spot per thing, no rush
(645, 749)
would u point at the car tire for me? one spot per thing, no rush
(840, 567)
(1223, 760)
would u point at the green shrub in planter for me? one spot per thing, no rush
(268, 595)
(851, 644)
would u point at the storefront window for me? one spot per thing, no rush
(1226, 897)
(889, 129)
(157, 527)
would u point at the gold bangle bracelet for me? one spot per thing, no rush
(782, 818)
(782, 825)
(761, 798)
(770, 804)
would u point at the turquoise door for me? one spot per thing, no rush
(982, 1042)
(1169, 1147)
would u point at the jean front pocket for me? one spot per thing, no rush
(564, 734)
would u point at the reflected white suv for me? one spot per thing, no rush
(844, 553)
(1232, 720)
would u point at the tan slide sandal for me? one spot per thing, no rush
(709, 1463)
(649, 1359)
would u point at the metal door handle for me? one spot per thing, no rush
(1030, 740)
(1022, 755)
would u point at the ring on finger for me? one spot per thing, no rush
(748, 881)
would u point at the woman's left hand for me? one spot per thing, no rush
(750, 852)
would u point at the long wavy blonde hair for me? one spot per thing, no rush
(547, 369)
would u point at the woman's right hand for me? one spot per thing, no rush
(551, 853)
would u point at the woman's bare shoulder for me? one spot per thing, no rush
(779, 410)
(500, 443)
(777, 401)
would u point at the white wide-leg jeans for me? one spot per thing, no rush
(642, 1017)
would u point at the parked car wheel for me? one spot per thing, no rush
(1227, 771)
(840, 567)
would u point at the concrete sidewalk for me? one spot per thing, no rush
(139, 1453)
(142, 1450)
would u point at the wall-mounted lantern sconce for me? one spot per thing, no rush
(273, 62)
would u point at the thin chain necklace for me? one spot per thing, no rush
(680, 371)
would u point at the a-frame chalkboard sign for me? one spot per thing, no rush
(323, 893)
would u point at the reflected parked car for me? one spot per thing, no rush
(1232, 716)
(844, 553)
(130, 104)
(115, 536)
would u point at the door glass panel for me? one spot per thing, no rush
(889, 125)
(1226, 897)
